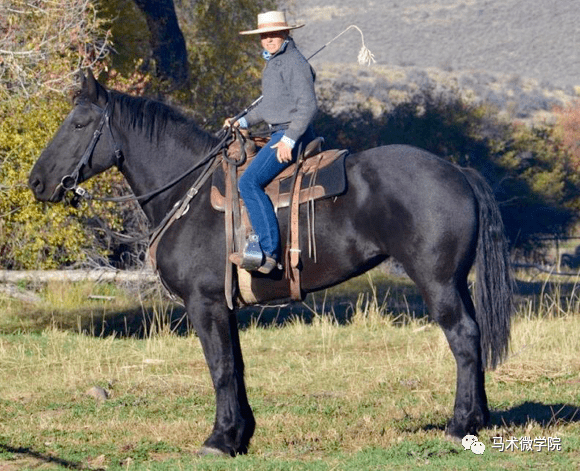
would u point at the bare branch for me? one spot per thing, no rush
(41, 39)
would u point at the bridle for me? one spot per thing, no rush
(70, 182)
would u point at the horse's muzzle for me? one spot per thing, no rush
(38, 187)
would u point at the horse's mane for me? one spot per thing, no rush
(156, 120)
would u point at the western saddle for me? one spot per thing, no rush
(317, 174)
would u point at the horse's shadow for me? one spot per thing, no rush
(42, 457)
(398, 304)
(398, 299)
(545, 415)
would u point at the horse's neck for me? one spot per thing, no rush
(148, 167)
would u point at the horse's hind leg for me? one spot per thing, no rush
(451, 307)
(234, 424)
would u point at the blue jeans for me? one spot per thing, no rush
(261, 171)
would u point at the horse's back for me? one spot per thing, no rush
(410, 166)
(413, 179)
(402, 202)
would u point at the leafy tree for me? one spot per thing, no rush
(568, 129)
(31, 234)
(224, 67)
(147, 37)
(42, 45)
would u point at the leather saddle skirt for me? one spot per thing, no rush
(324, 176)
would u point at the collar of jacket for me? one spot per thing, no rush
(267, 56)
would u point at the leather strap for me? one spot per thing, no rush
(229, 228)
(294, 249)
(180, 208)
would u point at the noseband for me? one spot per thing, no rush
(70, 182)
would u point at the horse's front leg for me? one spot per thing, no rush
(217, 329)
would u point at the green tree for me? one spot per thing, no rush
(224, 67)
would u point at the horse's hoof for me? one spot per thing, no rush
(209, 451)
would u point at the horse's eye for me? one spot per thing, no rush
(79, 126)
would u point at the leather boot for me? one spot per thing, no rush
(268, 265)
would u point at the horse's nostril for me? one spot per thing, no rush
(36, 185)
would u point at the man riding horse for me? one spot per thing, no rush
(288, 106)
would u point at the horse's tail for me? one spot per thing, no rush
(494, 286)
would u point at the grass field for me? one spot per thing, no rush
(369, 389)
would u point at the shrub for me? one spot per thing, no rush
(568, 129)
(33, 236)
(529, 169)
(43, 43)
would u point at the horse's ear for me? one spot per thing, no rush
(81, 87)
(94, 91)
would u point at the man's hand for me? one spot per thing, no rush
(284, 152)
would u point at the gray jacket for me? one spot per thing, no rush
(288, 92)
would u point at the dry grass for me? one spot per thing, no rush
(322, 392)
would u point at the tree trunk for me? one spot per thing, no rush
(167, 41)
(43, 276)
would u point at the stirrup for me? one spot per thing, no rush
(251, 258)
(266, 268)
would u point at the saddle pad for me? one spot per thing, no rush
(324, 177)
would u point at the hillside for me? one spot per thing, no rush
(520, 55)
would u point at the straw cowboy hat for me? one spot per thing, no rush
(272, 21)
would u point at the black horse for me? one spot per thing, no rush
(436, 219)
